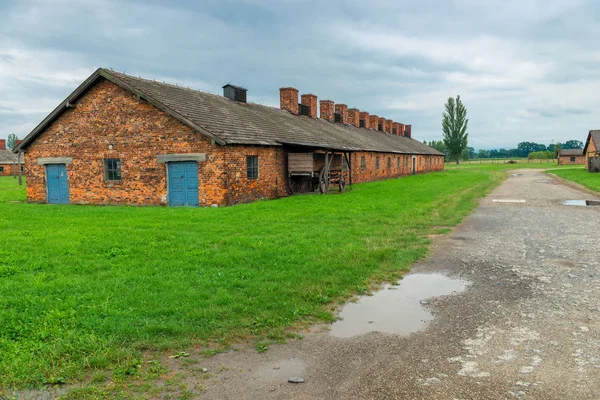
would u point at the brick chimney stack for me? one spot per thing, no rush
(407, 131)
(310, 100)
(288, 99)
(395, 128)
(2, 144)
(364, 116)
(401, 132)
(327, 110)
(342, 109)
(381, 122)
(354, 117)
(388, 126)
(373, 121)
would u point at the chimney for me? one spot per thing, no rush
(388, 126)
(401, 133)
(395, 128)
(407, 132)
(327, 110)
(288, 99)
(342, 111)
(364, 120)
(381, 124)
(2, 144)
(310, 101)
(373, 121)
(354, 117)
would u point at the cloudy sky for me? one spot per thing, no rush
(527, 70)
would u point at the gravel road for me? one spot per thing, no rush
(527, 326)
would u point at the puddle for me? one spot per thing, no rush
(396, 309)
(581, 203)
(517, 174)
(282, 370)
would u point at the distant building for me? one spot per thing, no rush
(8, 161)
(120, 139)
(592, 157)
(571, 157)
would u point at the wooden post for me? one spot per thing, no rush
(19, 154)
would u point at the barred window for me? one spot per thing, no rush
(252, 167)
(112, 169)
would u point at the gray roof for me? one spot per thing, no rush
(571, 152)
(595, 136)
(230, 122)
(8, 157)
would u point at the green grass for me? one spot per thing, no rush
(87, 289)
(579, 175)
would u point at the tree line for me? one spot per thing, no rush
(531, 150)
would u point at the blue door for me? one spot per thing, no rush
(58, 186)
(183, 183)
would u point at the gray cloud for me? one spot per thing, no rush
(526, 70)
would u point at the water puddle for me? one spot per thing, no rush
(396, 309)
(581, 203)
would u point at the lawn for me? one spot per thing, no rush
(91, 288)
(579, 175)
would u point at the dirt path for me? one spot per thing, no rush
(528, 326)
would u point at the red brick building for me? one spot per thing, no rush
(8, 161)
(592, 154)
(119, 139)
(571, 157)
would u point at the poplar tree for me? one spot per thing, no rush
(454, 126)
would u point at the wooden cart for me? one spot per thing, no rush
(316, 171)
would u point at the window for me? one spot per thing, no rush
(406, 160)
(1, 169)
(363, 163)
(397, 162)
(112, 169)
(377, 163)
(252, 167)
(572, 159)
(389, 162)
(22, 168)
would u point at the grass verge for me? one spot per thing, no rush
(579, 175)
(88, 289)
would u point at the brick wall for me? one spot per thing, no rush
(591, 152)
(7, 169)
(399, 165)
(566, 160)
(137, 131)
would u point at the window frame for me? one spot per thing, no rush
(389, 162)
(108, 170)
(377, 163)
(250, 173)
(363, 163)
(1, 168)
(573, 159)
